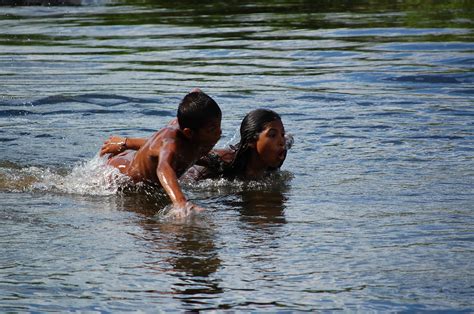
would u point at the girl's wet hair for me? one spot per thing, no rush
(196, 109)
(252, 125)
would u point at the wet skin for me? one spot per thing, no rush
(268, 151)
(270, 145)
(165, 156)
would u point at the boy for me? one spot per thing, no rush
(168, 153)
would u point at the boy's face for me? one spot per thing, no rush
(207, 136)
(270, 145)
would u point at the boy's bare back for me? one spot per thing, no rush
(142, 165)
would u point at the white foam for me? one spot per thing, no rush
(93, 177)
(272, 180)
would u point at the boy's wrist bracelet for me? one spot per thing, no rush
(123, 144)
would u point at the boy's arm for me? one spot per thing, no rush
(167, 176)
(168, 179)
(134, 143)
(116, 144)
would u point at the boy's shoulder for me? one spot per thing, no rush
(168, 135)
(170, 131)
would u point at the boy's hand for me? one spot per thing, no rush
(191, 207)
(177, 211)
(114, 145)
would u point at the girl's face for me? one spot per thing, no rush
(270, 145)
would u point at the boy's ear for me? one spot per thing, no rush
(187, 132)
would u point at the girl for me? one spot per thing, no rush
(262, 148)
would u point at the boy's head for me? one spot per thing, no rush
(196, 110)
(200, 114)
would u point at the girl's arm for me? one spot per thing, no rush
(116, 144)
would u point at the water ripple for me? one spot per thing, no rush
(372, 210)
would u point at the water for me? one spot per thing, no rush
(373, 208)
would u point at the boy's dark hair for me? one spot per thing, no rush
(196, 109)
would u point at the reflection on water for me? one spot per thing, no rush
(193, 258)
(49, 2)
(189, 248)
(372, 211)
(261, 209)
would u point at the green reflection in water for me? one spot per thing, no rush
(302, 14)
(307, 14)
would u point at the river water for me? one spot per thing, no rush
(372, 210)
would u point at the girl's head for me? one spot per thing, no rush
(262, 136)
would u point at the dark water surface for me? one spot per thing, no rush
(373, 209)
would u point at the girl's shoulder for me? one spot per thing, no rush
(212, 165)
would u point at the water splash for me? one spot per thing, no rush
(275, 180)
(93, 177)
(233, 140)
(173, 213)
